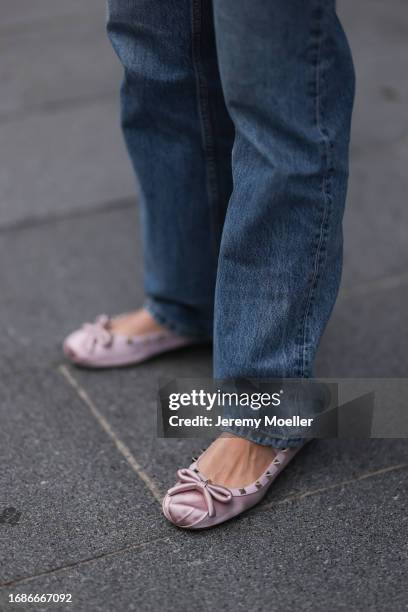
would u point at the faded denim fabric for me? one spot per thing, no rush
(236, 115)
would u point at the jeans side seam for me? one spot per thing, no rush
(321, 236)
(203, 110)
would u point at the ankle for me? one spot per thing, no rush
(233, 462)
(134, 323)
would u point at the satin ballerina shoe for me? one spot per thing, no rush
(197, 503)
(94, 345)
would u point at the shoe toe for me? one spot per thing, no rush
(74, 346)
(185, 509)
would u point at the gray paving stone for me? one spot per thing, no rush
(68, 160)
(376, 216)
(377, 33)
(77, 496)
(365, 337)
(341, 550)
(28, 14)
(45, 66)
(56, 275)
(62, 147)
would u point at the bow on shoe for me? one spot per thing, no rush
(98, 332)
(190, 481)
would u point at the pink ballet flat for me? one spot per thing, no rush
(94, 345)
(197, 503)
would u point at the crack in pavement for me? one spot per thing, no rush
(56, 105)
(73, 564)
(336, 485)
(297, 497)
(121, 446)
(166, 540)
(151, 485)
(28, 223)
(384, 283)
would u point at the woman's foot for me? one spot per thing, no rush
(137, 323)
(235, 462)
(127, 339)
(230, 477)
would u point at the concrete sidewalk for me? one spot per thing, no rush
(81, 464)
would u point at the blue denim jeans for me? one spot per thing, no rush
(236, 115)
